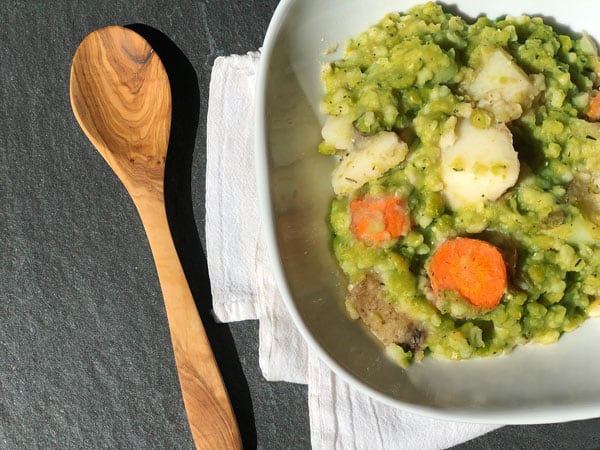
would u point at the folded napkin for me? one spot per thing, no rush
(243, 287)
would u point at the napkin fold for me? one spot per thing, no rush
(243, 287)
(241, 282)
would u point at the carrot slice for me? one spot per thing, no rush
(379, 218)
(593, 112)
(472, 267)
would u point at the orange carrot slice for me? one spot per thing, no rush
(379, 218)
(472, 267)
(593, 112)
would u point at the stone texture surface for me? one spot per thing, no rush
(85, 356)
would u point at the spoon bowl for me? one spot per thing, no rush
(121, 97)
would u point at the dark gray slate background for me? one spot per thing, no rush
(85, 357)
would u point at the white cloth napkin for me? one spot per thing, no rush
(243, 287)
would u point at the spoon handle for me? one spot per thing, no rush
(209, 411)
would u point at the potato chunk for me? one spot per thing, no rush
(501, 86)
(370, 158)
(479, 166)
(339, 132)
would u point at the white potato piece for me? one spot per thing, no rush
(479, 166)
(501, 86)
(339, 132)
(371, 157)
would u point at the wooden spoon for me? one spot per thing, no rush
(121, 98)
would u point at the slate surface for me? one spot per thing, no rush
(85, 357)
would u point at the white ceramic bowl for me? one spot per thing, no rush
(534, 384)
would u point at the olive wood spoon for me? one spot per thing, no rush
(121, 97)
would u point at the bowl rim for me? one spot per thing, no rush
(501, 416)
